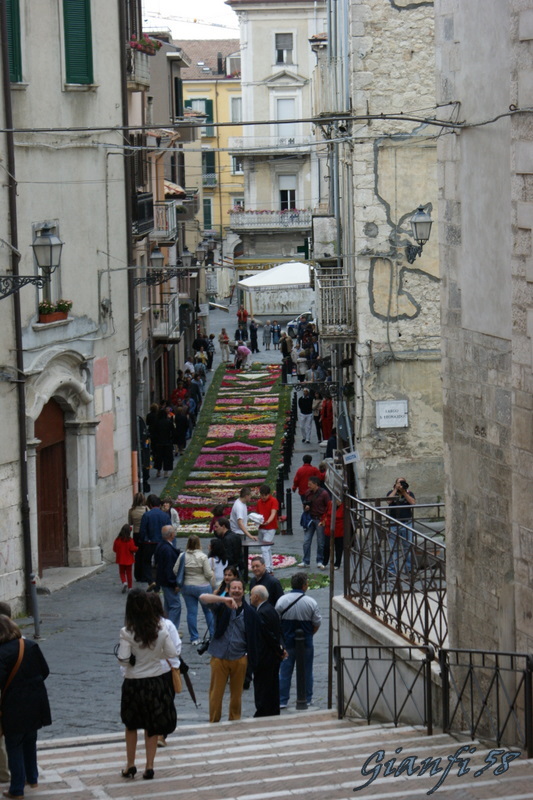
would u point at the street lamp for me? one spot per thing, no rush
(157, 259)
(47, 249)
(200, 252)
(186, 258)
(421, 223)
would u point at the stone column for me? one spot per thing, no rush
(83, 548)
(32, 445)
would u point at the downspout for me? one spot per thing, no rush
(129, 248)
(20, 385)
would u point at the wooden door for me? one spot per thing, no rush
(51, 487)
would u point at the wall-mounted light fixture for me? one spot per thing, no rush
(47, 250)
(421, 223)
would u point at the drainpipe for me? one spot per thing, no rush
(129, 245)
(20, 385)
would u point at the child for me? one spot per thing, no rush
(125, 547)
(218, 512)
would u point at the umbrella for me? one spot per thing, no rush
(218, 305)
(290, 275)
(184, 669)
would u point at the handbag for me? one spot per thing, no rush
(11, 676)
(179, 570)
(176, 678)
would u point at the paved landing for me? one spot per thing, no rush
(306, 754)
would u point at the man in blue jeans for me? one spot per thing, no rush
(297, 610)
(401, 502)
(166, 556)
(316, 503)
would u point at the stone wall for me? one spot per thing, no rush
(486, 203)
(398, 316)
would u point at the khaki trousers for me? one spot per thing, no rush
(221, 670)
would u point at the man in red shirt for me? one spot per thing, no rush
(268, 507)
(242, 316)
(302, 476)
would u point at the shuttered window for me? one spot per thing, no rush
(13, 41)
(78, 41)
(204, 106)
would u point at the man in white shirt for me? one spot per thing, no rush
(239, 515)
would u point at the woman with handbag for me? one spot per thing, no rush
(147, 696)
(197, 580)
(24, 704)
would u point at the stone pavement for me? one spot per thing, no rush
(311, 756)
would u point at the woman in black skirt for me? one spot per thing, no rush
(147, 696)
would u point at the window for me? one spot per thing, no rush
(237, 165)
(286, 109)
(236, 109)
(13, 41)
(78, 41)
(209, 177)
(238, 204)
(204, 106)
(284, 48)
(233, 66)
(178, 97)
(287, 192)
(208, 213)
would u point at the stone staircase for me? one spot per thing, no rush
(308, 754)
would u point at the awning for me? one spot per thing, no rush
(291, 275)
(174, 189)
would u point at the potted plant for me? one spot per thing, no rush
(145, 44)
(53, 312)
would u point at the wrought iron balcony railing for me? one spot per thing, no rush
(166, 320)
(335, 306)
(166, 218)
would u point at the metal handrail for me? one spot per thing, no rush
(489, 694)
(396, 573)
(400, 694)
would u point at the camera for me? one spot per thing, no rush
(202, 647)
(404, 485)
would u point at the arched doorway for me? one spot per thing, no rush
(51, 487)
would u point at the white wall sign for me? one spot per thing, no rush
(392, 414)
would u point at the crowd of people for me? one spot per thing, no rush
(248, 640)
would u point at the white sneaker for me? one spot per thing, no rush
(320, 565)
(283, 706)
(303, 564)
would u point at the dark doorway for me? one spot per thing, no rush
(51, 487)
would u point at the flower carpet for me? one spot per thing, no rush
(236, 443)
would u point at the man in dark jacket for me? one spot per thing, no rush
(316, 503)
(235, 644)
(231, 541)
(152, 524)
(269, 657)
(264, 578)
(166, 556)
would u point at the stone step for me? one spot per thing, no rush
(307, 754)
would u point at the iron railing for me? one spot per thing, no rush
(396, 572)
(485, 695)
(335, 306)
(291, 218)
(375, 682)
(166, 320)
(488, 694)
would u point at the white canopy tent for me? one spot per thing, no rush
(291, 275)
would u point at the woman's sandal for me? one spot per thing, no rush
(129, 773)
(148, 774)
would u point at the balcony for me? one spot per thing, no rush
(335, 307)
(142, 213)
(209, 179)
(270, 220)
(250, 145)
(167, 214)
(138, 70)
(166, 320)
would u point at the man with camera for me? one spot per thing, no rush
(401, 500)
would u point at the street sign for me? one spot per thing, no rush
(350, 458)
(392, 414)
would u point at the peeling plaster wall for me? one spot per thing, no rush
(484, 60)
(398, 304)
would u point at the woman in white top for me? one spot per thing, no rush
(198, 580)
(147, 697)
(167, 506)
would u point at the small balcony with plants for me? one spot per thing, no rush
(270, 219)
(139, 50)
(166, 320)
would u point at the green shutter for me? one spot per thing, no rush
(209, 131)
(188, 104)
(207, 215)
(78, 41)
(13, 41)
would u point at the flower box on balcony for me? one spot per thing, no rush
(53, 316)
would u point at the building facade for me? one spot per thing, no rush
(65, 391)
